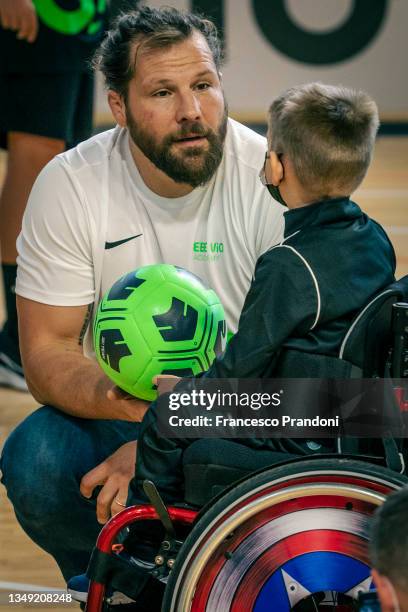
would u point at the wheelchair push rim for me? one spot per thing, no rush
(281, 537)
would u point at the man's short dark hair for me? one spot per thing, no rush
(328, 133)
(389, 539)
(155, 28)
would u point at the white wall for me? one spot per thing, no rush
(255, 71)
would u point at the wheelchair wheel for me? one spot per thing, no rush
(292, 537)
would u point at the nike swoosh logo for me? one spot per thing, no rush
(112, 245)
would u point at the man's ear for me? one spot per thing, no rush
(117, 106)
(386, 595)
(276, 168)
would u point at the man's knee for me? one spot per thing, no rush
(36, 468)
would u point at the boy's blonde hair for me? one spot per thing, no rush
(328, 133)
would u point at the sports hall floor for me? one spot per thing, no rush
(384, 195)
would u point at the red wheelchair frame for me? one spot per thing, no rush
(111, 530)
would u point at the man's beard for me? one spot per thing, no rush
(194, 165)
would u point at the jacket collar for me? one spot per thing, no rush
(321, 213)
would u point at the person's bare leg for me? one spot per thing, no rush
(27, 155)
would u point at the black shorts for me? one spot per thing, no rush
(54, 105)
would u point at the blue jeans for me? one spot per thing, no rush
(43, 462)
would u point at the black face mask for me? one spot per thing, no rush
(275, 193)
(273, 189)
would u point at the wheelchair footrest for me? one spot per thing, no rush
(129, 578)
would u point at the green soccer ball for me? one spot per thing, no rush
(158, 319)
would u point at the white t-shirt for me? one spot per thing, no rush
(91, 197)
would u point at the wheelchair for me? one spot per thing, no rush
(256, 535)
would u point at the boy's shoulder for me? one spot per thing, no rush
(284, 258)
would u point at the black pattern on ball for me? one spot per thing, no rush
(125, 286)
(174, 325)
(112, 347)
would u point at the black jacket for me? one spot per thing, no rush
(307, 289)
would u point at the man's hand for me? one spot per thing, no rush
(114, 474)
(20, 16)
(136, 407)
(116, 393)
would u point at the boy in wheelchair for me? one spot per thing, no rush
(308, 289)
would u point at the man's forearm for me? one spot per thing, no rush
(60, 376)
